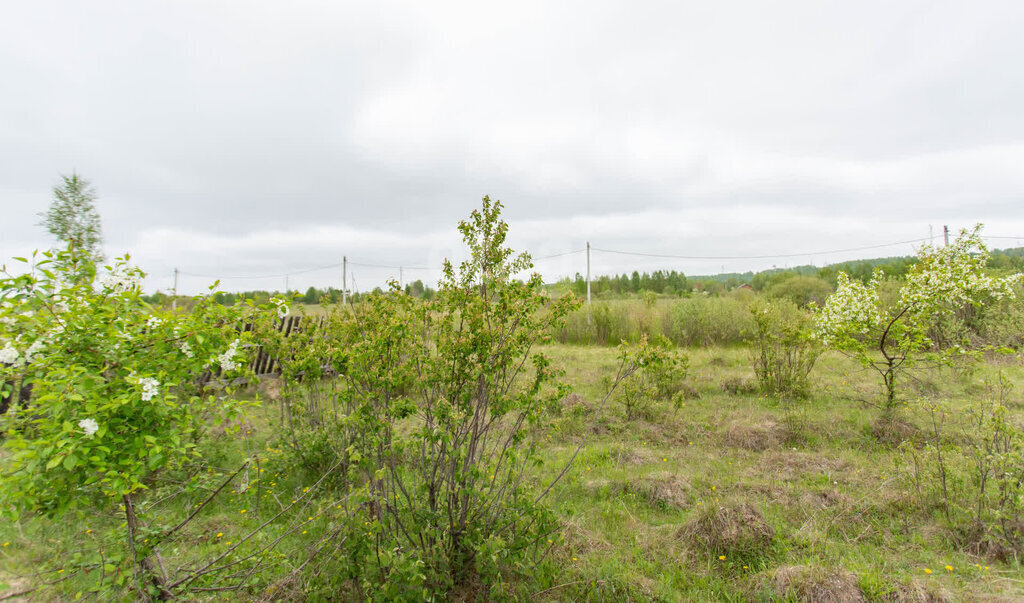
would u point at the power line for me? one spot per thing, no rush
(403, 266)
(578, 251)
(258, 276)
(754, 257)
(558, 255)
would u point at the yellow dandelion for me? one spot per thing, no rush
(7, 543)
(927, 571)
(303, 531)
(721, 557)
(949, 568)
(219, 534)
(228, 542)
(242, 511)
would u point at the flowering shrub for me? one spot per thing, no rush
(893, 337)
(115, 396)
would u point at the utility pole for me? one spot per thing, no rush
(931, 235)
(400, 277)
(286, 288)
(174, 299)
(945, 234)
(588, 282)
(344, 277)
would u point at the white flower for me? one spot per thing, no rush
(122, 278)
(9, 355)
(150, 388)
(34, 349)
(282, 306)
(227, 359)
(153, 322)
(89, 426)
(186, 349)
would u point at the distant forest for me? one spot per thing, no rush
(661, 282)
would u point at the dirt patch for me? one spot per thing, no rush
(270, 388)
(738, 530)
(814, 584)
(759, 437)
(18, 589)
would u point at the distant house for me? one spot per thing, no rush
(744, 287)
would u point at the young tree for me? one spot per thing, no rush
(893, 337)
(73, 218)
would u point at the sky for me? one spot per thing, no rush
(258, 139)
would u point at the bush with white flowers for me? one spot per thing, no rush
(893, 337)
(115, 395)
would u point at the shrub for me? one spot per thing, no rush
(784, 352)
(890, 333)
(659, 379)
(801, 290)
(116, 391)
(969, 469)
(447, 402)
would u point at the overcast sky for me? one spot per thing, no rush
(258, 138)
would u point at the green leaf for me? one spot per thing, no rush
(70, 462)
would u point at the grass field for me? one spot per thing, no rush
(730, 496)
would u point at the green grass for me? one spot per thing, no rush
(812, 468)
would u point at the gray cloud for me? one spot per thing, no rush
(230, 138)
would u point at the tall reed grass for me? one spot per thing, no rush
(694, 321)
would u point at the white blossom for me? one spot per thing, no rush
(153, 322)
(122, 278)
(150, 388)
(9, 355)
(227, 359)
(282, 306)
(89, 426)
(186, 349)
(36, 347)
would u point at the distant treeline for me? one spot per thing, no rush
(813, 283)
(312, 295)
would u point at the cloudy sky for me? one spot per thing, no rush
(263, 138)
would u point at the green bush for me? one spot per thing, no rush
(801, 290)
(784, 351)
(969, 471)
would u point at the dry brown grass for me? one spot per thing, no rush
(764, 435)
(736, 529)
(816, 584)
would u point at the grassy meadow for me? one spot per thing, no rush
(726, 495)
